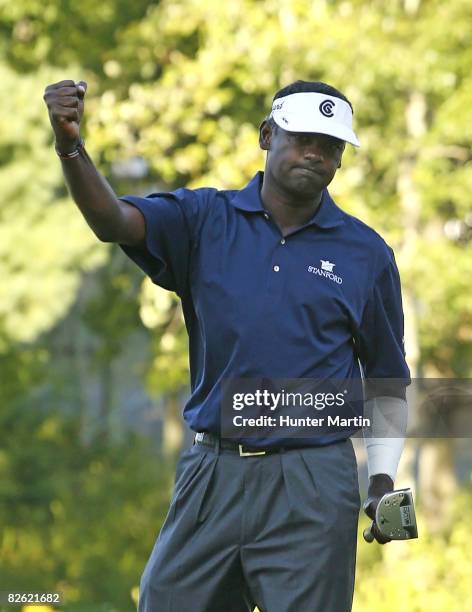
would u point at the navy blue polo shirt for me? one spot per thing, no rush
(315, 303)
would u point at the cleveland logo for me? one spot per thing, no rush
(326, 108)
(326, 271)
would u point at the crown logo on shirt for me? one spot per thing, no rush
(326, 271)
(327, 265)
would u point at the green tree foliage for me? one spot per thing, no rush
(65, 33)
(77, 518)
(431, 573)
(44, 243)
(161, 312)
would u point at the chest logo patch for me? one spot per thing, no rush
(326, 270)
(327, 265)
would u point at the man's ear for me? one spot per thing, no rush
(265, 134)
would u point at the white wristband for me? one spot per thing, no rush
(385, 438)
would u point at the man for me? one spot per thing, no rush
(276, 282)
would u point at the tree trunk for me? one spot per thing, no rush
(173, 433)
(436, 476)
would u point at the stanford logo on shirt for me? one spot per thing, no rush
(326, 271)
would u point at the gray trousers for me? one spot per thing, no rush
(277, 531)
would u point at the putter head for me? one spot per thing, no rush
(395, 517)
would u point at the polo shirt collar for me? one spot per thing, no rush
(249, 199)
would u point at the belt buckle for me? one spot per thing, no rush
(249, 453)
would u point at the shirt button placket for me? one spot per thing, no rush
(276, 281)
(274, 286)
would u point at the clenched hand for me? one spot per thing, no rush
(65, 102)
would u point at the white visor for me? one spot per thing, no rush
(315, 112)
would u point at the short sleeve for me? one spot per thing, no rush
(171, 221)
(380, 339)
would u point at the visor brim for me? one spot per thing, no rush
(315, 125)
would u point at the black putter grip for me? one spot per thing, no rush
(369, 534)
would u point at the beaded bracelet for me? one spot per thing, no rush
(72, 154)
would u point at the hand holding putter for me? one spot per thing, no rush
(395, 517)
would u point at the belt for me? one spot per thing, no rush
(208, 439)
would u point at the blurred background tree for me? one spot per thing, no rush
(177, 90)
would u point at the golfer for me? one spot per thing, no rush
(276, 282)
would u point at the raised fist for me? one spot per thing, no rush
(65, 102)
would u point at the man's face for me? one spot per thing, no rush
(300, 163)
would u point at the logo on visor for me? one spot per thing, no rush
(326, 108)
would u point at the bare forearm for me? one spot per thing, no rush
(110, 219)
(93, 195)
